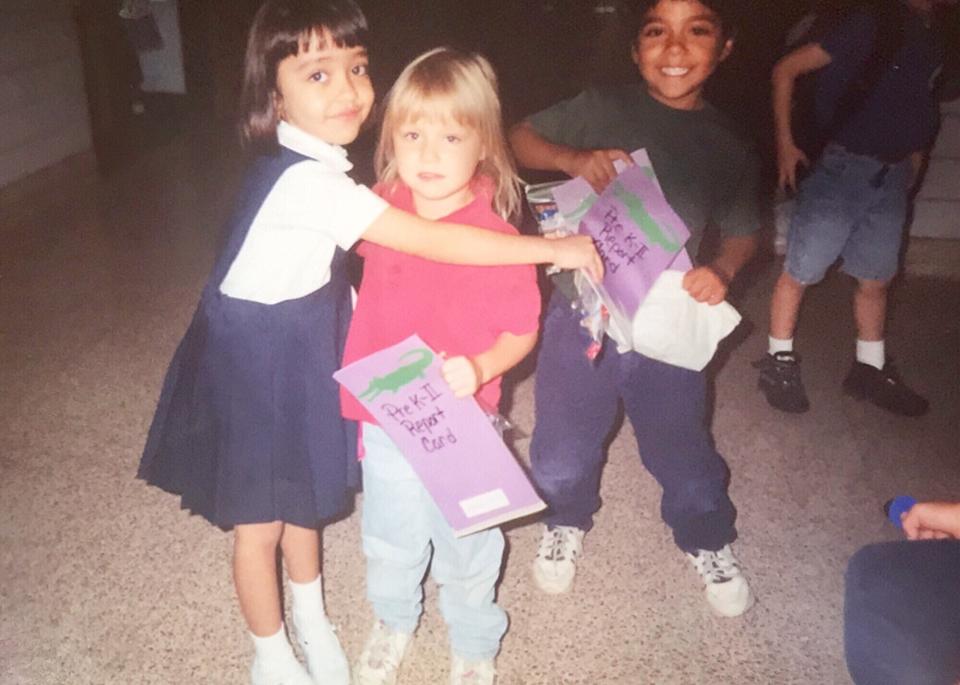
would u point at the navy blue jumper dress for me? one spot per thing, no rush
(248, 426)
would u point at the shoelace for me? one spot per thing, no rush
(553, 549)
(717, 567)
(786, 369)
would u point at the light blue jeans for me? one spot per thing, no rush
(402, 528)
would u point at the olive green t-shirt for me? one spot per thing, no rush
(708, 172)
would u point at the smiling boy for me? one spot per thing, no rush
(709, 175)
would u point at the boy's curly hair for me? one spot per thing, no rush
(726, 10)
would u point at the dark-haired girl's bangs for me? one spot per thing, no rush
(349, 27)
(343, 22)
(299, 23)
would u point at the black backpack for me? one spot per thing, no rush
(890, 17)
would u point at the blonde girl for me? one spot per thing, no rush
(442, 155)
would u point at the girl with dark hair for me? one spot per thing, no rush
(248, 428)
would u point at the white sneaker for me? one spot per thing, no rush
(556, 562)
(287, 671)
(380, 659)
(467, 672)
(326, 661)
(725, 587)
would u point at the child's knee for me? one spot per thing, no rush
(789, 282)
(808, 260)
(560, 483)
(263, 536)
(872, 287)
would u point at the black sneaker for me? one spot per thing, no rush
(780, 382)
(884, 388)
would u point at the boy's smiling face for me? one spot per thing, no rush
(679, 45)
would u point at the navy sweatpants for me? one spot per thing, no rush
(576, 405)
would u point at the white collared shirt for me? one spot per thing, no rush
(313, 207)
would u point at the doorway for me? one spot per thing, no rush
(135, 77)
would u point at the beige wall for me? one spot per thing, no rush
(937, 208)
(43, 106)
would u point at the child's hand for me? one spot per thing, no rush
(932, 520)
(594, 165)
(789, 156)
(705, 285)
(462, 375)
(577, 252)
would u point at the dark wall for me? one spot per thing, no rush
(543, 50)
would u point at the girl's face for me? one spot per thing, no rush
(325, 91)
(437, 159)
(677, 49)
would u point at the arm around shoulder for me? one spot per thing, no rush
(454, 243)
(462, 244)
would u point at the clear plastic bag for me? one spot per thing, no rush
(501, 423)
(589, 301)
(547, 214)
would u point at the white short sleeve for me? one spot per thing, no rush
(329, 201)
(310, 210)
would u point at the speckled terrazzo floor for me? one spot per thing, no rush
(105, 581)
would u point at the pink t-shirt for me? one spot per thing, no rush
(459, 310)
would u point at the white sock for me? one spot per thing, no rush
(272, 648)
(871, 352)
(780, 345)
(325, 658)
(307, 601)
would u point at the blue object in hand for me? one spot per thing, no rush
(897, 507)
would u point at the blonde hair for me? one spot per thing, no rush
(448, 83)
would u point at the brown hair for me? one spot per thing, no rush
(724, 9)
(448, 83)
(282, 28)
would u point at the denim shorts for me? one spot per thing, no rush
(851, 207)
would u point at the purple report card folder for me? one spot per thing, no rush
(450, 443)
(636, 231)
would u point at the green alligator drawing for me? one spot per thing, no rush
(395, 380)
(650, 228)
(573, 218)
